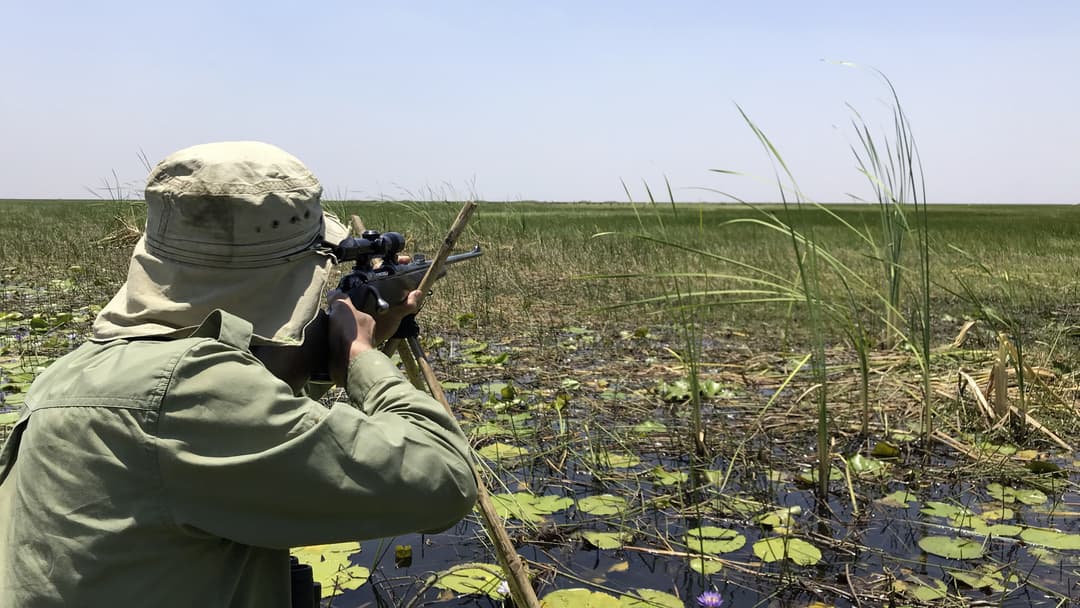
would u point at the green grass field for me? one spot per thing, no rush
(648, 364)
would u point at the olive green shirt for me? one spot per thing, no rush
(179, 473)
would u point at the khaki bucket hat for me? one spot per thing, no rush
(235, 226)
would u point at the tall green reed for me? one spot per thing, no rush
(895, 174)
(894, 169)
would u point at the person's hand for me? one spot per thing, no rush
(352, 331)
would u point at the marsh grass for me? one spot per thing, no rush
(588, 374)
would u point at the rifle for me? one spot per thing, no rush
(378, 281)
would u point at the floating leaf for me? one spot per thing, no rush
(779, 518)
(578, 598)
(526, 506)
(993, 448)
(470, 346)
(884, 449)
(606, 540)
(714, 477)
(738, 506)
(1008, 495)
(493, 390)
(502, 451)
(951, 548)
(979, 579)
(865, 465)
(650, 598)
(980, 527)
(996, 512)
(668, 478)
(810, 477)
(472, 579)
(680, 389)
(915, 588)
(935, 508)
(1051, 538)
(649, 427)
(899, 499)
(714, 540)
(489, 430)
(675, 391)
(903, 436)
(701, 565)
(454, 386)
(331, 566)
(1045, 556)
(617, 460)
(403, 556)
(603, 504)
(780, 547)
(622, 566)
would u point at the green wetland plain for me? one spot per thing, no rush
(849, 405)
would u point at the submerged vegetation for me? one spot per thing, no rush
(665, 434)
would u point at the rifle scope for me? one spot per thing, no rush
(370, 243)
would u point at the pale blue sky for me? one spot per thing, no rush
(549, 101)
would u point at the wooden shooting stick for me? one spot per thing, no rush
(413, 358)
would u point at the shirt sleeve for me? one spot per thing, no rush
(242, 458)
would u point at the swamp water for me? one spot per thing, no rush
(588, 461)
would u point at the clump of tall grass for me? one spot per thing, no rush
(895, 174)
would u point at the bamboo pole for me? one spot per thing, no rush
(521, 590)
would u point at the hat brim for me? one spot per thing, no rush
(169, 299)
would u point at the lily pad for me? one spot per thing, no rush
(526, 506)
(917, 589)
(1008, 495)
(472, 579)
(331, 567)
(606, 540)
(713, 540)
(603, 504)
(618, 460)
(668, 478)
(705, 566)
(980, 527)
(780, 547)
(951, 548)
(502, 452)
(649, 427)
(996, 512)
(578, 598)
(981, 578)
(714, 477)
(899, 499)
(936, 508)
(865, 465)
(1051, 538)
(884, 449)
(810, 477)
(779, 518)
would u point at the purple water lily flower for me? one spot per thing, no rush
(710, 599)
